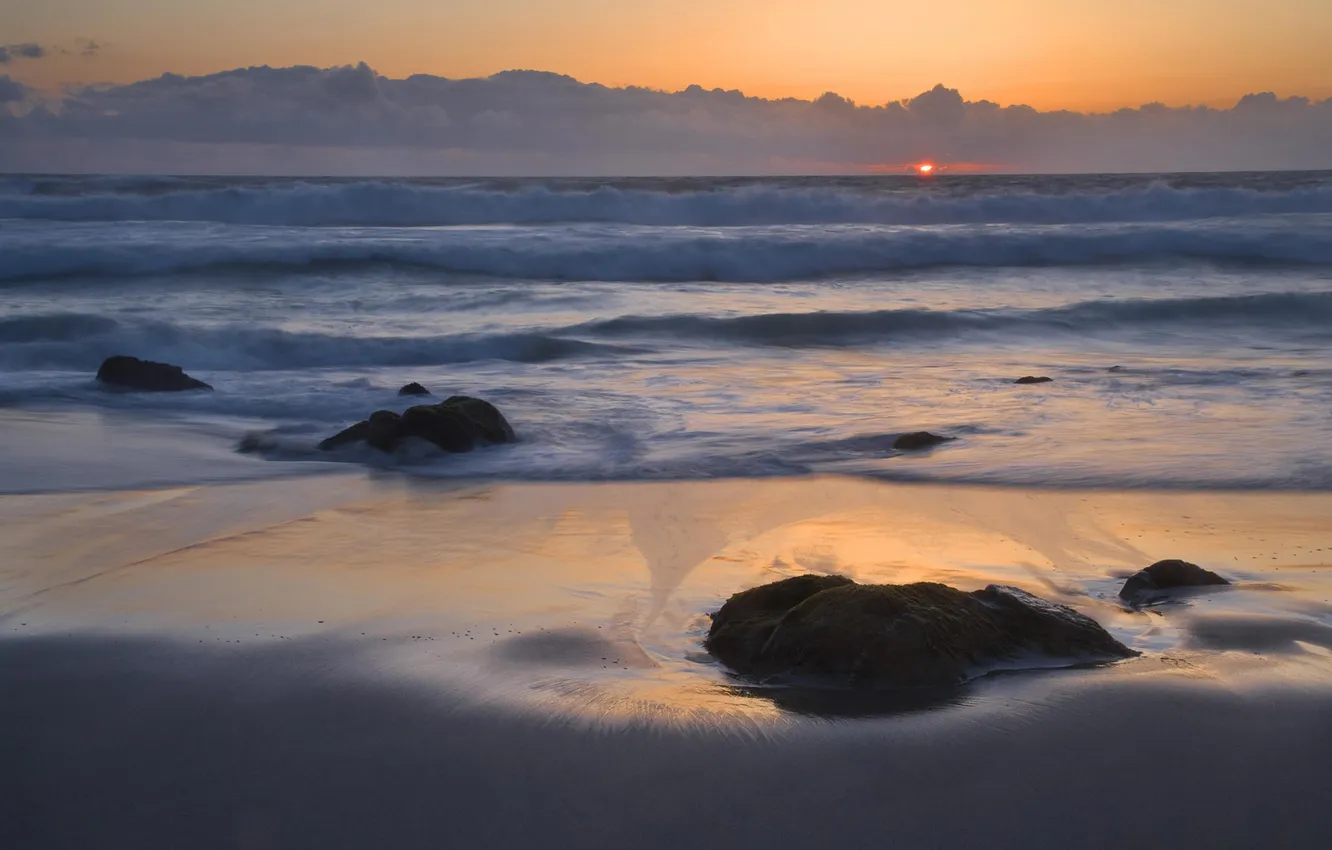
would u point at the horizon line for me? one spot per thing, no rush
(865, 175)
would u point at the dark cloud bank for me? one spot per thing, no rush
(351, 120)
(10, 52)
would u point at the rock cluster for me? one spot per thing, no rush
(457, 424)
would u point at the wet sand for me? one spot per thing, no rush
(364, 661)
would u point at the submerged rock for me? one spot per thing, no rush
(917, 440)
(383, 430)
(890, 636)
(353, 434)
(1032, 379)
(146, 375)
(413, 389)
(457, 424)
(1164, 575)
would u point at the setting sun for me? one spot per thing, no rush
(925, 168)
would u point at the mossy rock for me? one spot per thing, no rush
(457, 424)
(484, 416)
(889, 636)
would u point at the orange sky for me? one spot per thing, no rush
(1078, 54)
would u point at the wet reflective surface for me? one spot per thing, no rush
(592, 600)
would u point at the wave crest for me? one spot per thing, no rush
(1291, 310)
(79, 342)
(617, 253)
(405, 203)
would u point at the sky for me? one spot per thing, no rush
(663, 86)
(1050, 54)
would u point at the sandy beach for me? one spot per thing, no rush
(355, 660)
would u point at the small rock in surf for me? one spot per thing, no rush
(413, 389)
(1032, 379)
(1164, 575)
(457, 424)
(896, 636)
(146, 375)
(918, 440)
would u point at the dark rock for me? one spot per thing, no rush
(742, 627)
(442, 425)
(1115, 369)
(382, 430)
(457, 424)
(909, 635)
(1164, 575)
(413, 389)
(252, 443)
(146, 375)
(483, 415)
(917, 440)
(1032, 379)
(350, 435)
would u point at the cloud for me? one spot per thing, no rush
(940, 105)
(11, 91)
(351, 119)
(27, 50)
(31, 50)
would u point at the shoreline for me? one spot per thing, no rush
(108, 451)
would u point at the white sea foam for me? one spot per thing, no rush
(407, 203)
(79, 341)
(677, 254)
(697, 328)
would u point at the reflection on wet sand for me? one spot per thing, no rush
(594, 599)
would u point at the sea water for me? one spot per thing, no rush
(679, 328)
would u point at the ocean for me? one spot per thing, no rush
(649, 329)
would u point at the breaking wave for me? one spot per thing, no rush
(417, 203)
(621, 253)
(77, 341)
